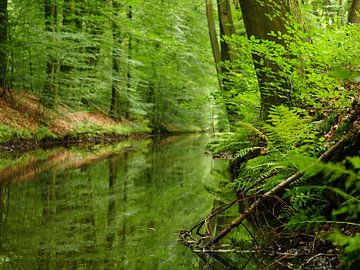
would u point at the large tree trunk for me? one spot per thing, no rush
(3, 42)
(261, 19)
(354, 12)
(50, 88)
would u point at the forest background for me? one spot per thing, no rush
(283, 89)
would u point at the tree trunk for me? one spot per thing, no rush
(115, 89)
(70, 23)
(213, 38)
(227, 29)
(3, 42)
(50, 89)
(94, 26)
(128, 69)
(261, 19)
(354, 12)
(228, 56)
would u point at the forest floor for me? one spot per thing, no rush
(26, 124)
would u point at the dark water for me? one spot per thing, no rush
(104, 208)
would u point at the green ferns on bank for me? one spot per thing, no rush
(10, 134)
(328, 194)
(289, 129)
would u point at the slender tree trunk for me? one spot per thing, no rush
(50, 89)
(3, 43)
(116, 55)
(213, 39)
(69, 24)
(128, 67)
(112, 209)
(228, 56)
(227, 29)
(261, 19)
(121, 53)
(354, 12)
(94, 26)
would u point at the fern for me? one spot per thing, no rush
(288, 129)
(233, 142)
(257, 174)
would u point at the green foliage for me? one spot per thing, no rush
(8, 133)
(327, 194)
(43, 133)
(351, 246)
(228, 143)
(93, 131)
(242, 94)
(288, 129)
(261, 173)
(164, 70)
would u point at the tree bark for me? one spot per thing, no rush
(227, 29)
(3, 43)
(213, 38)
(261, 19)
(354, 12)
(228, 56)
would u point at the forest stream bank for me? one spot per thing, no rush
(26, 124)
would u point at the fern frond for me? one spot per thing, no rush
(288, 129)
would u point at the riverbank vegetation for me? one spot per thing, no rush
(278, 84)
(294, 143)
(131, 64)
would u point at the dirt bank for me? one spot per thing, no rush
(26, 124)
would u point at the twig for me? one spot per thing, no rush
(314, 257)
(234, 250)
(277, 261)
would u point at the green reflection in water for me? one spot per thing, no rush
(119, 212)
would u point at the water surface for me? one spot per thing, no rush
(104, 208)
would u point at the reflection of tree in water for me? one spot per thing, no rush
(117, 200)
(121, 212)
(4, 199)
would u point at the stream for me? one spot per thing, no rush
(105, 207)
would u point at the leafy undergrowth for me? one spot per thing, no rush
(323, 203)
(24, 120)
(300, 168)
